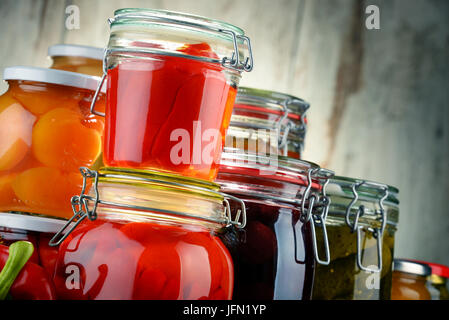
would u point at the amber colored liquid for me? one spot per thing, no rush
(143, 260)
(409, 287)
(46, 134)
(156, 105)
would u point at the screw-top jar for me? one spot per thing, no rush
(409, 280)
(147, 236)
(274, 255)
(47, 133)
(171, 84)
(77, 58)
(437, 282)
(268, 122)
(361, 224)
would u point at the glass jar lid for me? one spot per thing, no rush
(139, 195)
(271, 102)
(30, 222)
(52, 76)
(72, 50)
(272, 167)
(256, 111)
(412, 267)
(349, 196)
(364, 207)
(165, 32)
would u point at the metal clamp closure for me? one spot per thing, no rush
(315, 201)
(377, 232)
(284, 129)
(81, 210)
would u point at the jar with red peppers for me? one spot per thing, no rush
(35, 279)
(268, 122)
(148, 236)
(77, 58)
(274, 255)
(171, 84)
(46, 133)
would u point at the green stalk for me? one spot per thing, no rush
(19, 253)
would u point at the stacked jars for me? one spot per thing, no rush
(154, 213)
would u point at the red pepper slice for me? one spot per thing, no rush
(31, 283)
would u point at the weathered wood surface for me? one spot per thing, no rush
(380, 98)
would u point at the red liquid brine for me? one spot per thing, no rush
(168, 113)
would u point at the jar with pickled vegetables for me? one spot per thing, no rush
(409, 280)
(171, 84)
(274, 255)
(267, 122)
(148, 236)
(47, 133)
(361, 224)
(77, 58)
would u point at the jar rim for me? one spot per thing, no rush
(75, 50)
(31, 222)
(286, 169)
(179, 17)
(412, 267)
(52, 76)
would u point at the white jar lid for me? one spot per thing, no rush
(53, 76)
(31, 223)
(73, 50)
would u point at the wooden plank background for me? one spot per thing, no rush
(380, 98)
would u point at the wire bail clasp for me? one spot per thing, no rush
(318, 219)
(377, 232)
(240, 214)
(80, 208)
(234, 62)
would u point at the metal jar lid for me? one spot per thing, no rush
(412, 267)
(30, 222)
(72, 50)
(52, 76)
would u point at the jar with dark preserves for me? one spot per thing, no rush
(148, 236)
(274, 255)
(409, 280)
(361, 224)
(47, 133)
(171, 84)
(77, 58)
(268, 122)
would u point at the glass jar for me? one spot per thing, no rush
(361, 224)
(47, 133)
(36, 229)
(268, 122)
(172, 82)
(77, 58)
(409, 280)
(148, 236)
(274, 255)
(437, 282)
